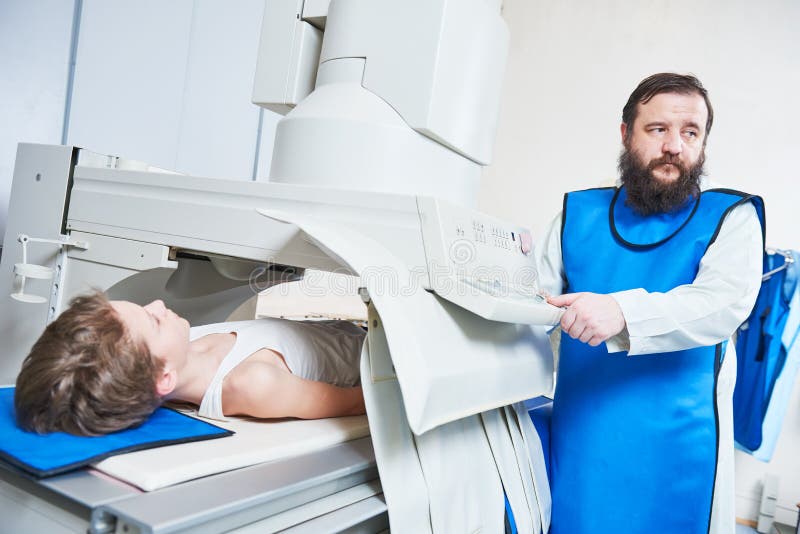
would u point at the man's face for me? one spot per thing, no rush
(664, 152)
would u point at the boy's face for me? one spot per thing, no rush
(165, 333)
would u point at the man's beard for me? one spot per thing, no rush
(648, 195)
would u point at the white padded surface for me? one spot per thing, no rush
(256, 441)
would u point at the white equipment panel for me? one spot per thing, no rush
(483, 264)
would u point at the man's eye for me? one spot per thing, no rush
(658, 130)
(691, 133)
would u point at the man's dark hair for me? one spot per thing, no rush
(665, 82)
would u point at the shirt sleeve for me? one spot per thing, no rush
(548, 259)
(708, 310)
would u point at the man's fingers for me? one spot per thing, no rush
(563, 300)
(567, 320)
(577, 328)
(589, 317)
(596, 341)
(586, 335)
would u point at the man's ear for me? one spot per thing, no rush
(623, 130)
(166, 382)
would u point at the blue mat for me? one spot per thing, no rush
(45, 455)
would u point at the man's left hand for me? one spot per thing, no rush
(590, 317)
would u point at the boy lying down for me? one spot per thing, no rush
(103, 366)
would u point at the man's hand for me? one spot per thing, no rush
(590, 317)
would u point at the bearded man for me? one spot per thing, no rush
(655, 274)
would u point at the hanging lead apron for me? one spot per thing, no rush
(634, 439)
(763, 349)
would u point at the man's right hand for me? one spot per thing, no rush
(590, 317)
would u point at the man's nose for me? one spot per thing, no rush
(673, 144)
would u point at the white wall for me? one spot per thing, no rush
(34, 62)
(571, 68)
(169, 83)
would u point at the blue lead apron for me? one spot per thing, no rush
(634, 439)
(762, 354)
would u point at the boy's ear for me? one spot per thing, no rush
(166, 382)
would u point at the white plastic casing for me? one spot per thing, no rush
(288, 56)
(480, 263)
(438, 63)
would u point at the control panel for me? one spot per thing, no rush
(482, 263)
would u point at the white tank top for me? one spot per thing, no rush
(325, 351)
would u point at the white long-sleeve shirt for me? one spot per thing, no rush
(703, 313)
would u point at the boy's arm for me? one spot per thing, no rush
(263, 390)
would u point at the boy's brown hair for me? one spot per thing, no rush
(86, 375)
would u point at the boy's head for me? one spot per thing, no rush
(87, 374)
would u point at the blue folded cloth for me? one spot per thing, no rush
(45, 455)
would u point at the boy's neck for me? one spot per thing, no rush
(202, 361)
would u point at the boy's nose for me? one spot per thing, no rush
(157, 306)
